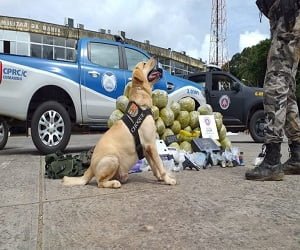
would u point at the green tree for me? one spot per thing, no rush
(250, 65)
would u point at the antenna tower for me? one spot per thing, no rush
(218, 29)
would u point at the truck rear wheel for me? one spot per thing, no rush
(50, 127)
(256, 126)
(3, 134)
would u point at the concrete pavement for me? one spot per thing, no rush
(214, 208)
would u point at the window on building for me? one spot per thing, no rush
(36, 38)
(22, 49)
(48, 40)
(36, 50)
(71, 43)
(22, 37)
(9, 35)
(59, 41)
(70, 54)
(59, 53)
(133, 57)
(13, 48)
(48, 52)
(105, 55)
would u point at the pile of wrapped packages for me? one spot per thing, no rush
(180, 120)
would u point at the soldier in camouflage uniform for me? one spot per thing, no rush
(281, 110)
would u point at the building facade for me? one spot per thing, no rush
(58, 42)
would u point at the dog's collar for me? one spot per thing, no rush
(133, 118)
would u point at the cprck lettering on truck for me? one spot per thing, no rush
(13, 73)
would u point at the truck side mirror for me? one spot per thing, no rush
(236, 86)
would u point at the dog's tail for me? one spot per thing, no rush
(79, 181)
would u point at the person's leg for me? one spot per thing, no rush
(292, 125)
(276, 88)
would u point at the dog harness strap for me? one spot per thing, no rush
(133, 118)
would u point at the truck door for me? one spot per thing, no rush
(224, 99)
(103, 80)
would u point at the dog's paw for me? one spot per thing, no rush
(116, 184)
(170, 181)
(66, 181)
(110, 184)
(173, 182)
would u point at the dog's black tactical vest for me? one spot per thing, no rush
(133, 118)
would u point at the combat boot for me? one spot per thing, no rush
(292, 165)
(270, 169)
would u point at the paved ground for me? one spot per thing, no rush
(210, 209)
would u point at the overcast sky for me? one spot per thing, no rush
(183, 25)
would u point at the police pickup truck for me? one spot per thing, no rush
(240, 105)
(50, 96)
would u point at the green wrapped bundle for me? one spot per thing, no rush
(167, 115)
(122, 103)
(187, 104)
(186, 146)
(188, 129)
(219, 123)
(222, 133)
(176, 127)
(205, 109)
(218, 119)
(115, 116)
(184, 118)
(175, 145)
(166, 133)
(175, 107)
(225, 143)
(155, 112)
(197, 130)
(160, 98)
(218, 115)
(160, 126)
(194, 119)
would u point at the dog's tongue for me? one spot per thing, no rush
(155, 74)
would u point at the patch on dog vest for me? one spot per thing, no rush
(133, 118)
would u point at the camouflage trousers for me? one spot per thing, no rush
(281, 110)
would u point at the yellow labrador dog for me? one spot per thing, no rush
(115, 153)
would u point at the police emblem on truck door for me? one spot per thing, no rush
(224, 102)
(109, 81)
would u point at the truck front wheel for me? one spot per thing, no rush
(50, 127)
(256, 126)
(3, 134)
